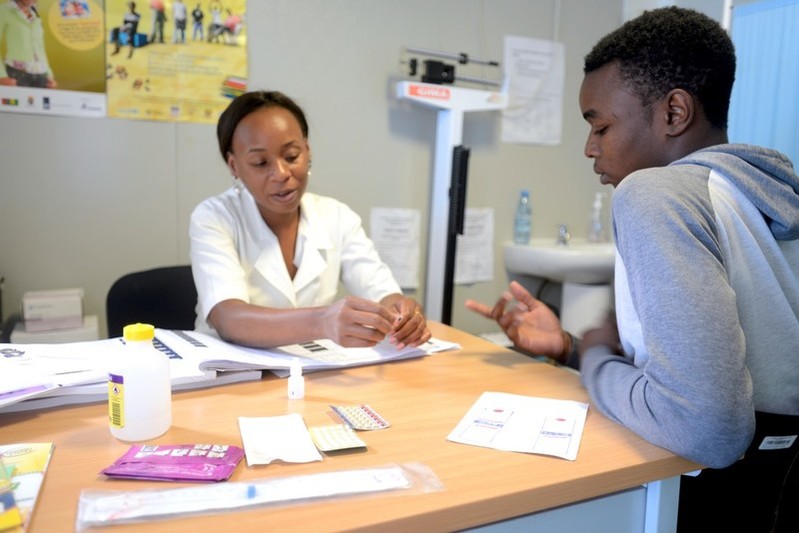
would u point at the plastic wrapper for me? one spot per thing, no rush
(102, 508)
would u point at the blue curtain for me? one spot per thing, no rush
(764, 108)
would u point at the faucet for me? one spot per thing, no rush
(563, 235)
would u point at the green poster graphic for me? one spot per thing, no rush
(52, 57)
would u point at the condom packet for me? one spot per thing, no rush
(177, 462)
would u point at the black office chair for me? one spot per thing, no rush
(164, 297)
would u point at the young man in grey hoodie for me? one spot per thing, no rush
(702, 357)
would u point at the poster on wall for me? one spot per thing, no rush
(52, 57)
(175, 60)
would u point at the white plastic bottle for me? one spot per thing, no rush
(597, 229)
(139, 388)
(296, 381)
(522, 219)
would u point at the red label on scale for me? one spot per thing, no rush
(423, 91)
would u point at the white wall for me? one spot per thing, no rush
(83, 201)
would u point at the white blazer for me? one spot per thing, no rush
(235, 255)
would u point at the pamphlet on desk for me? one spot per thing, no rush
(321, 354)
(28, 464)
(516, 423)
(36, 376)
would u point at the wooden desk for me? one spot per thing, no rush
(423, 399)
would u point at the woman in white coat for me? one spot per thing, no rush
(267, 256)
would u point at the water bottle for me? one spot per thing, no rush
(139, 388)
(522, 220)
(597, 230)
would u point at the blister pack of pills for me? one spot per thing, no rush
(335, 437)
(360, 417)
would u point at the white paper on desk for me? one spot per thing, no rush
(270, 438)
(313, 356)
(210, 353)
(35, 376)
(526, 424)
(30, 370)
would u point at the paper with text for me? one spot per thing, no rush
(517, 423)
(475, 252)
(536, 71)
(395, 234)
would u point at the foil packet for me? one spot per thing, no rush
(177, 462)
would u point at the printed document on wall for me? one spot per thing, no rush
(475, 254)
(535, 71)
(395, 234)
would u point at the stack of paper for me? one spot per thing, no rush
(36, 376)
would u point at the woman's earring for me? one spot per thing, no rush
(237, 184)
(310, 164)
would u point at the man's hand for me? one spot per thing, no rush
(606, 334)
(528, 322)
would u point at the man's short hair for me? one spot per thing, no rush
(672, 48)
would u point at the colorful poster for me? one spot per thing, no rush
(52, 57)
(177, 60)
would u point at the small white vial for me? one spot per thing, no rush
(139, 388)
(296, 381)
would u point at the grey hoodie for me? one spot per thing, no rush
(764, 176)
(707, 301)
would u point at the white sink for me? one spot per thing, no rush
(579, 261)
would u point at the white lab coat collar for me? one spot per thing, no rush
(312, 241)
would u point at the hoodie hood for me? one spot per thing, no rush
(765, 176)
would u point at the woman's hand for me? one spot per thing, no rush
(410, 325)
(354, 322)
(529, 323)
